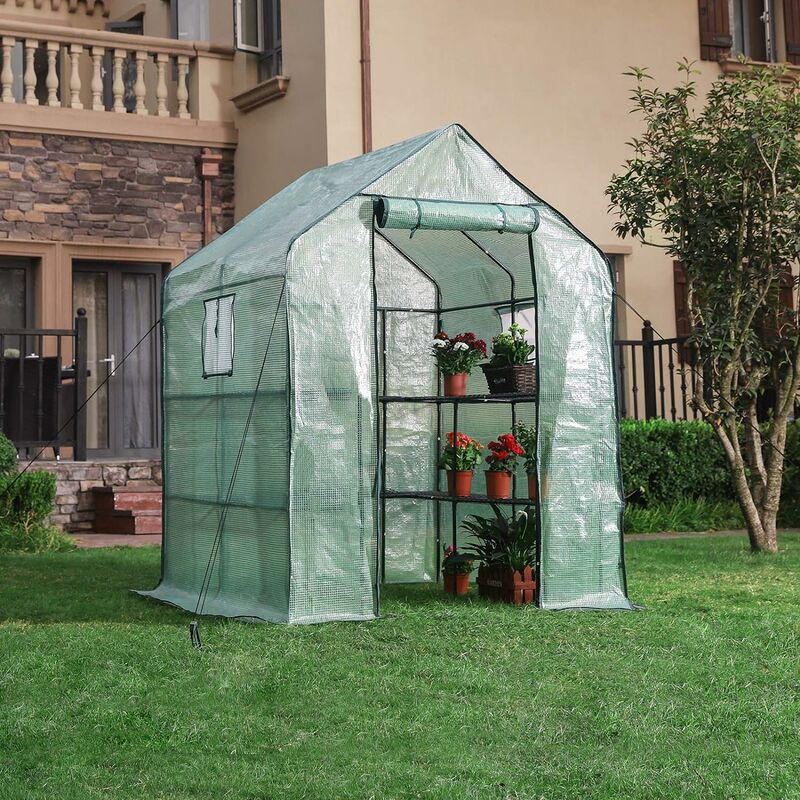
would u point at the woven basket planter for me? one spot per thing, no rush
(516, 379)
(506, 585)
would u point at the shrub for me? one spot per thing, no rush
(8, 457)
(38, 538)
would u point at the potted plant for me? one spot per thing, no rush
(509, 370)
(456, 358)
(456, 568)
(502, 462)
(459, 457)
(506, 549)
(526, 436)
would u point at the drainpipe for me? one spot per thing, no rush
(208, 165)
(366, 80)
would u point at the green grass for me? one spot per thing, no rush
(696, 697)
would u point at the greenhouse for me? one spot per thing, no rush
(303, 413)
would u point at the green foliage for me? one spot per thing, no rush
(526, 436)
(511, 347)
(508, 542)
(36, 538)
(459, 354)
(683, 515)
(26, 500)
(8, 457)
(666, 462)
(456, 563)
(461, 453)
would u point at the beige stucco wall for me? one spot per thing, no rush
(281, 140)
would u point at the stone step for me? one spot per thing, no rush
(130, 521)
(111, 498)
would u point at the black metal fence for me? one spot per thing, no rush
(655, 377)
(43, 387)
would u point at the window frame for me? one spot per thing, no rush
(26, 265)
(227, 373)
(237, 27)
(274, 48)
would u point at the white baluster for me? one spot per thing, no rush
(75, 51)
(7, 73)
(118, 86)
(162, 59)
(183, 92)
(139, 88)
(53, 49)
(29, 79)
(97, 78)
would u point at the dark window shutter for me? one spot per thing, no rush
(715, 30)
(682, 326)
(791, 22)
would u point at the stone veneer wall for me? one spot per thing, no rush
(71, 188)
(74, 510)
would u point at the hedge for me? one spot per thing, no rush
(665, 463)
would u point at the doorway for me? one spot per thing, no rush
(122, 302)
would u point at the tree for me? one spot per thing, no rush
(716, 183)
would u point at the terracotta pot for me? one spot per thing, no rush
(498, 485)
(532, 488)
(455, 385)
(456, 584)
(460, 481)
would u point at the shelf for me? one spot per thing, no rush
(470, 398)
(388, 494)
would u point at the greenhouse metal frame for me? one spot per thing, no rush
(302, 411)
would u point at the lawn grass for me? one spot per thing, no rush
(101, 695)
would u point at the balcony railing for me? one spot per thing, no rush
(99, 71)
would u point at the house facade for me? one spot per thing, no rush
(131, 133)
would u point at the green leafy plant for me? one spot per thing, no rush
(26, 500)
(511, 347)
(461, 453)
(502, 541)
(715, 184)
(505, 452)
(459, 354)
(455, 563)
(526, 436)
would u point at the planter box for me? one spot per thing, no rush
(507, 586)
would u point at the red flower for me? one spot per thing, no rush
(467, 337)
(510, 443)
(496, 446)
(479, 344)
(442, 335)
(499, 455)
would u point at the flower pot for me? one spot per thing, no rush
(516, 379)
(459, 482)
(455, 385)
(507, 585)
(498, 485)
(533, 493)
(457, 584)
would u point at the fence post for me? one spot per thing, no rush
(81, 358)
(649, 370)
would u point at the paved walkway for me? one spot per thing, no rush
(116, 539)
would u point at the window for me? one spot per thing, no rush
(16, 300)
(752, 29)
(190, 20)
(218, 336)
(258, 30)
(762, 30)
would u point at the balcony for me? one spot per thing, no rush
(114, 85)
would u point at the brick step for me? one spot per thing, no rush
(129, 521)
(113, 498)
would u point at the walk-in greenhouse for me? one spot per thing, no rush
(302, 409)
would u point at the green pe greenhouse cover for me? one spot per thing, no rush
(290, 326)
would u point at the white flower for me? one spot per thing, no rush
(439, 343)
(460, 346)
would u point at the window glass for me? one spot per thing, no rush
(249, 19)
(218, 336)
(191, 20)
(270, 62)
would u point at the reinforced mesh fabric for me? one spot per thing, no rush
(301, 540)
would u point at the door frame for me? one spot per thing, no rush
(114, 268)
